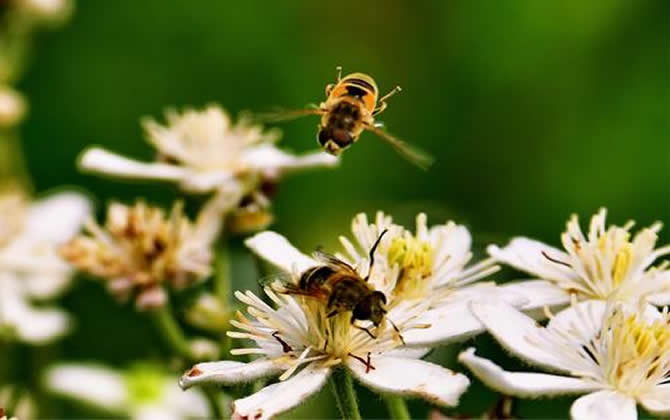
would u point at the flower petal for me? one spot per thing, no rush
(515, 331)
(522, 384)
(658, 402)
(32, 325)
(527, 255)
(99, 160)
(604, 405)
(402, 376)
(282, 396)
(448, 323)
(660, 299)
(539, 293)
(228, 372)
(585, 317)
(95, 385)
(68, 208)
(268, 157)
(277, 250)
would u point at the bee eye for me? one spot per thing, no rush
(342, 138)
(323, 137)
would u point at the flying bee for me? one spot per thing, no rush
(342, 289)
(351, 105)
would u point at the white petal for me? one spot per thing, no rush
(585, 317)
(515, 331)
(402, 376)
(43, 285)
(526, 255)
(660, 299)
(57, 218)
(522, 384)
(282, 396)
(448, 323)
(539, 293)
(32, 325)
(96, 159)
(95, 385)
(268, 157)
(604, 405)
(228, 372)
(275, 249)
(657, 402)
(184, 404)
(409, 353)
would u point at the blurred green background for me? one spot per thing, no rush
(533, 109)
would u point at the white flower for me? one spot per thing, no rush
(617, 354)
(203, 150)
(607, 263)
(425, 284)
(55, 11)
(142, 392)
(12, 107)
(429, 266)
(30, 268)
(141, 249)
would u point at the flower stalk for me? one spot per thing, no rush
(397, 407)
(172, 332)
(345, 395)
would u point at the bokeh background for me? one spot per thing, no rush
(533, 109)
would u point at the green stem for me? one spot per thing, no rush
(214, 406)
(345, 396)
(222, 284)
(397, 407)
(172, 333)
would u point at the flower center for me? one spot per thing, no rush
(415, 259)
(638, 353)
(144, 383)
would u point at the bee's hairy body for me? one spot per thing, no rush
(350, 106)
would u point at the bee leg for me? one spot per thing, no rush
(372, 253)
(332, 313)
(284, 345)
(325, 345)
(366, 362)
(374, 337)
(398, 331)
(382, 106)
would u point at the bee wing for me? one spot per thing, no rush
(278, 281)
(332, 261)
(409, 152)
(280, 115)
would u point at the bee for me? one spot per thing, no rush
(351, 105)
(342, 289)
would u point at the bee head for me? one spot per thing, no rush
(371, 308)
(334, 140)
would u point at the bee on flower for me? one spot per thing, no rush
(30, 268)
(607, 263)
(141, 250)
(203, 151)
(616, 353)
(303, 338)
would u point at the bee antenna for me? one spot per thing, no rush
(372, 252)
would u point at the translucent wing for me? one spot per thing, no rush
(409, 152)
(279, 281)
(286, 114)
(332, 261)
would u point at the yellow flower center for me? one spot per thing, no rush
(639, 353)
(415, 259)
(623, 253)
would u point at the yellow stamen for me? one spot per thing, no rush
(415, 259)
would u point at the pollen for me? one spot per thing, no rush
(639, 352)
(414, 257)
(140, 248)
